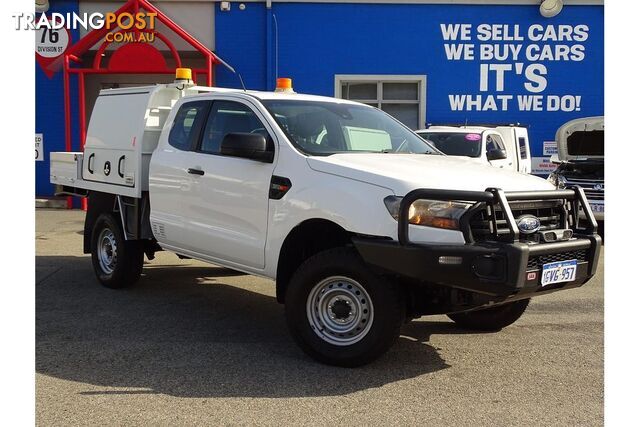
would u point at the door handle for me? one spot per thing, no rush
(120, 161)
(195, 171)
(91, 156)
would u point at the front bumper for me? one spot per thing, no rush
(500, 269)
(496, 269)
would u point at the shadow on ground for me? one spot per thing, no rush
(183, 331)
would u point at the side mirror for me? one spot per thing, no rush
(555, 159)
(496, 154)
(252, 146)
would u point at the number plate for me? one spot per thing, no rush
(558, 272)
(597, 207)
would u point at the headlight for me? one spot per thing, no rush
(562, 182)
(431, 213)
(558, 180)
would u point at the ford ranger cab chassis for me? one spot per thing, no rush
(361, 223)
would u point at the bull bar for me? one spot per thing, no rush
(500, 267)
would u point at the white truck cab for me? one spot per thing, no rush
(505, 147)
(361, 223)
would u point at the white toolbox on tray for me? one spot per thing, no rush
(123, 131)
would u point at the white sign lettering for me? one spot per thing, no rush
(39, 147)
(513, 73)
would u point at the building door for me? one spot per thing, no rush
(403, 97)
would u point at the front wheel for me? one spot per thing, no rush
(339, 312)
(491, 319)
(116, 261)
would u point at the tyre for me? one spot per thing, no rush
(491, 319)
(116, 261)
(341, 313)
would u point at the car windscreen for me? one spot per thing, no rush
(324, 128)
(586, 143)
(455, 143)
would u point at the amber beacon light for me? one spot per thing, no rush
(183, 73)
(284, 84)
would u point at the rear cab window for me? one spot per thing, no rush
(187, 124)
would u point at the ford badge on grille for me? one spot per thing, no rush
(528, 224)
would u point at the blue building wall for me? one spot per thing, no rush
(318, 41)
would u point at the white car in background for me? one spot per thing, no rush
(505, 147)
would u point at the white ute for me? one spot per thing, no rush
(360, 222)
(504, 147)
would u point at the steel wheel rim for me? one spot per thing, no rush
(107, 251)
(339, 310)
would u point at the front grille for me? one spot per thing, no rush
(593, 188)
(594, 194)
(550, 212)
(539, 261)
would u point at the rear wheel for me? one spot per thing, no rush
(491, 319)
(339, 312)
(117, 262)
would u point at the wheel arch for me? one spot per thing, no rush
(131, 213)
(98, 203)
(303, 241)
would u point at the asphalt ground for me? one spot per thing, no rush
(197, 344)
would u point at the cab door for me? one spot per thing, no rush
(226, 209)
(494, 142)
(168, 177)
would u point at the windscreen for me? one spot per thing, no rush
(324, 128)
(586, 143)
(455, 143)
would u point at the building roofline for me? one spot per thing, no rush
(466, 2)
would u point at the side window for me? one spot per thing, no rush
(228, 117)
(523, 147)
(187, 124)
(494, 142)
